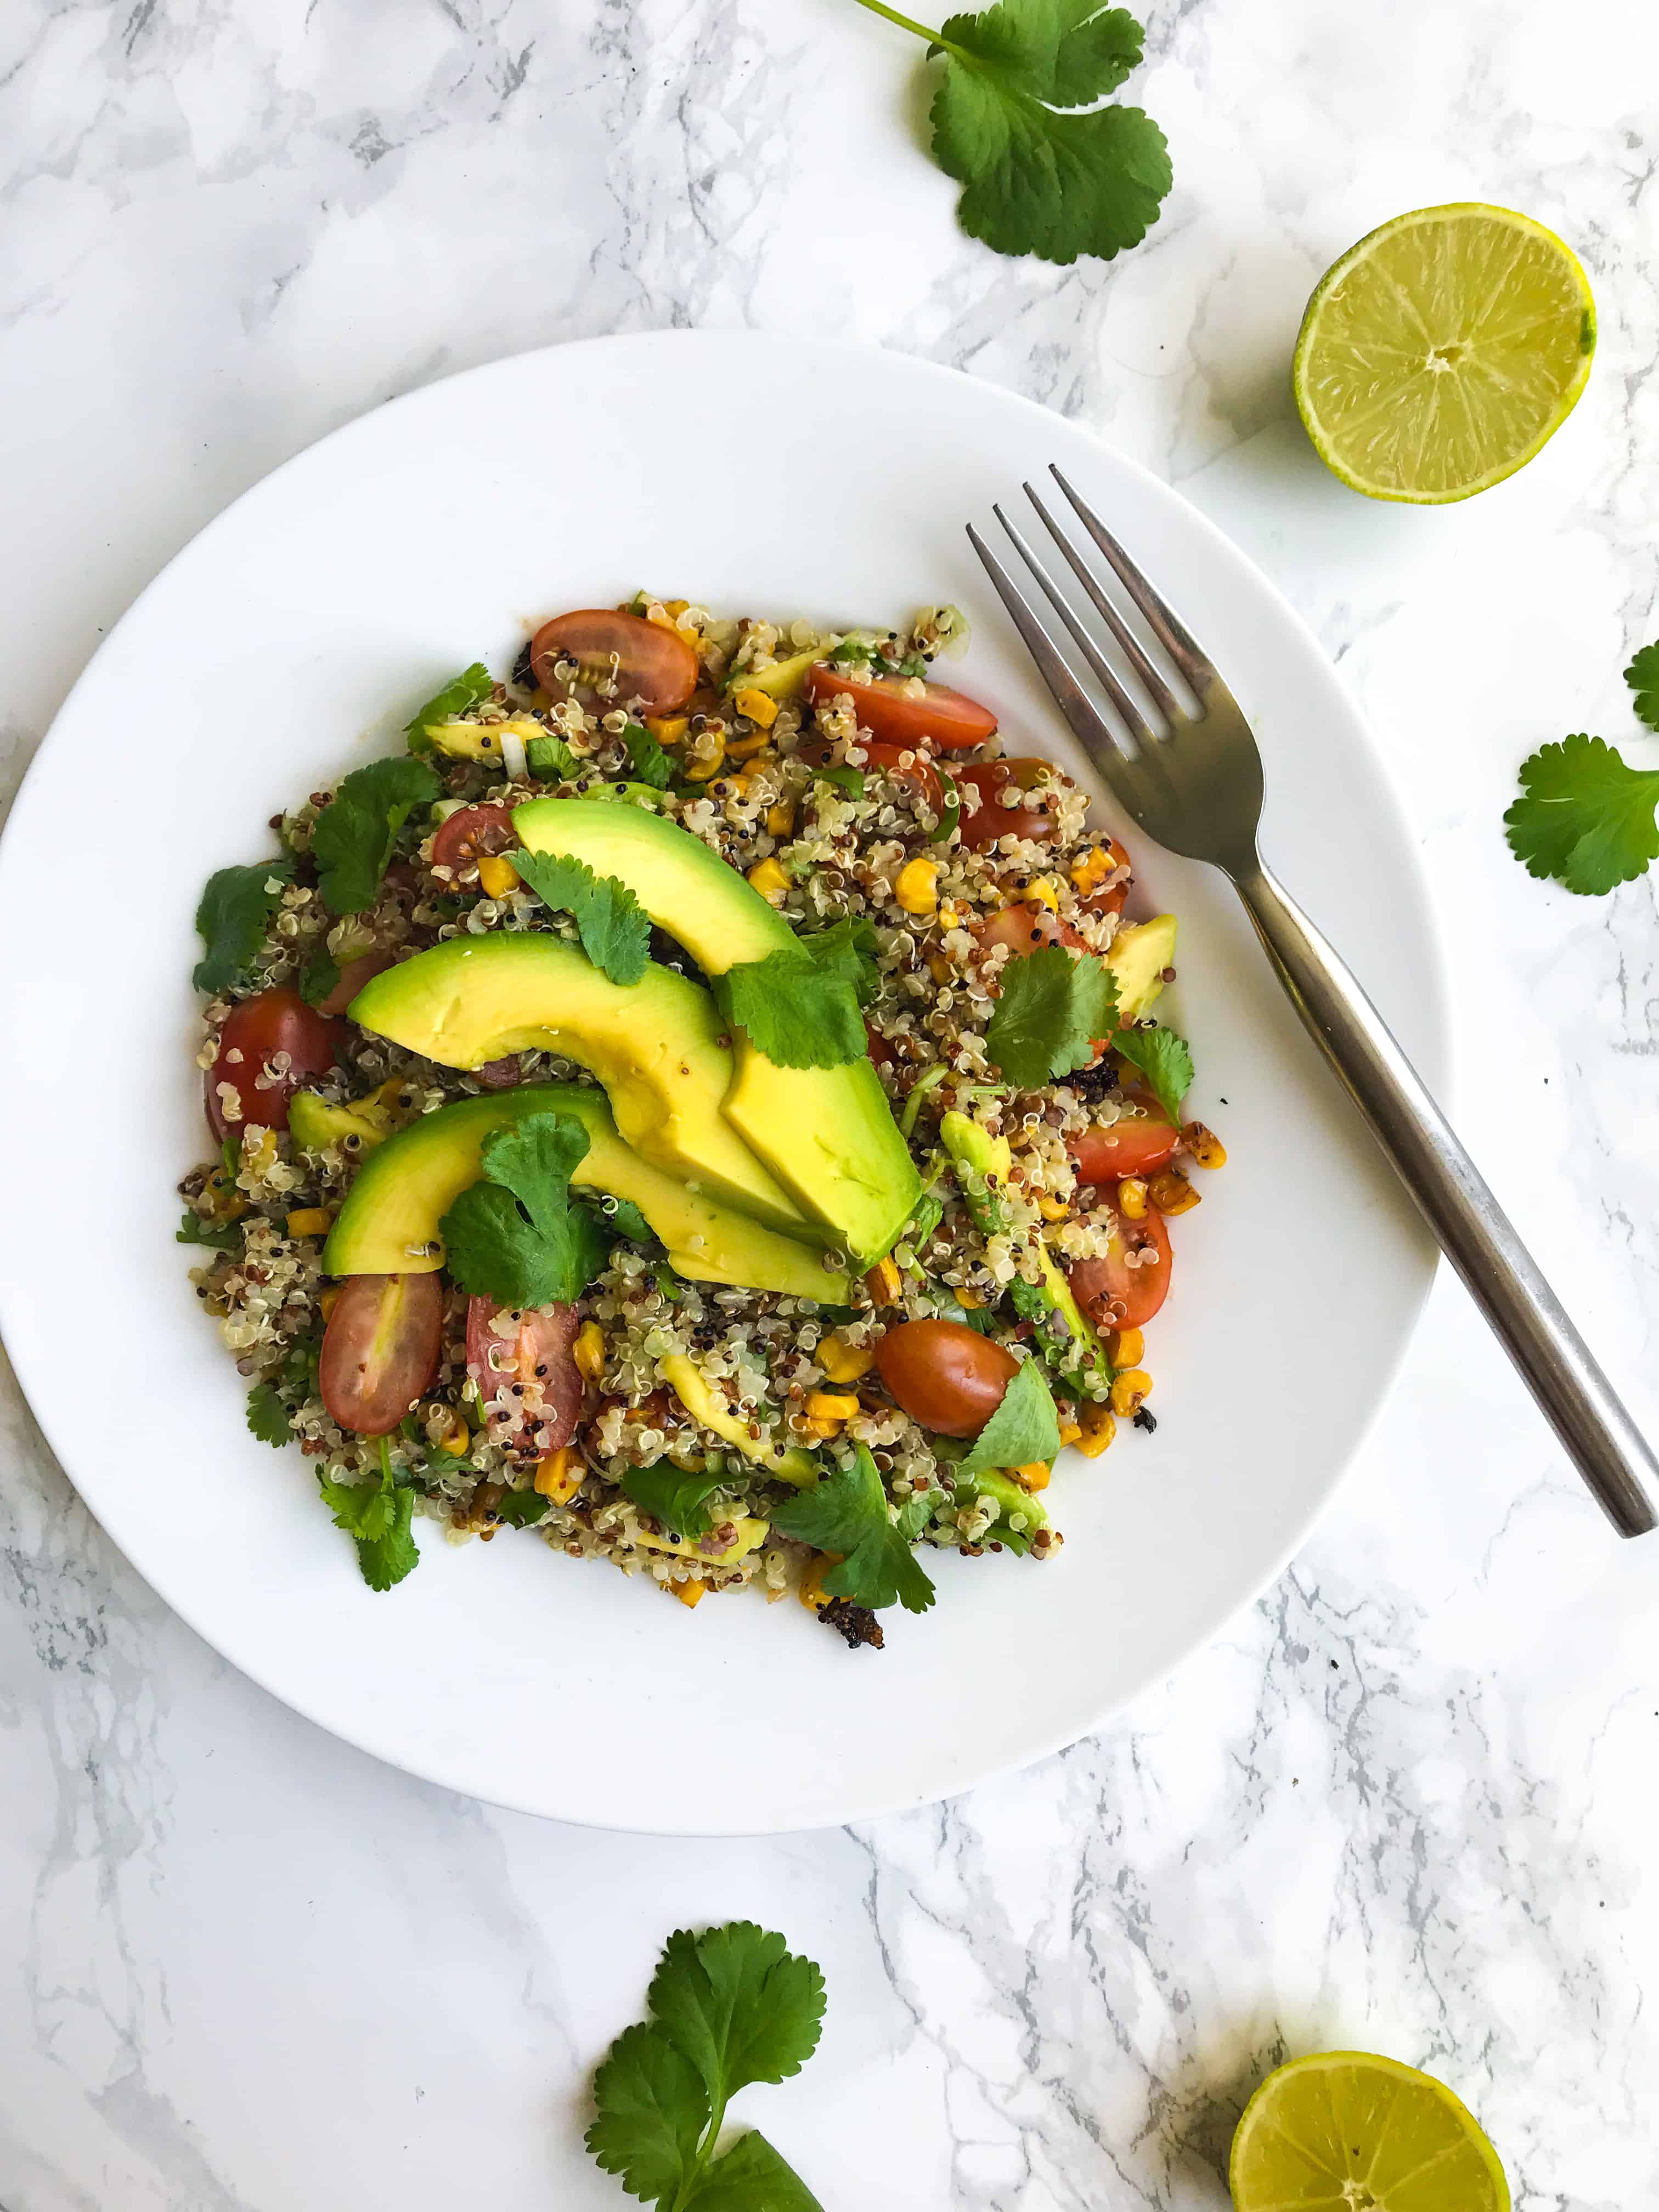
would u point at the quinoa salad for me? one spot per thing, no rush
(697, 1102)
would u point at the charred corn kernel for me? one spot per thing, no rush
(308, 1221)
(768, 879)
(1130, 1391)
(1125, 1347)
(261, 1156)
(811, 1591)
(329, 1300)
(224, 1201)
(820, 1431)
(1098, 1429)
(916, 887)
(1091, 868)
(1170, 1192)
(781, 818)
(1053, 1209)
(589, 1351)
(1034, 1475)
(668, 729)
(845, 1363)
(970, 1300)
(691, 1591)
(1046, 891)
(1071, 1433)
(949, 915)
(663, 617)
(747, 747)
(758, 708)
(882, 1283)
(453, 1436)
(1206, 1147)
(559, 1474)
(496, 876)
(1131, 1198)
(703, 759)
(675, 607)
(835, 1405)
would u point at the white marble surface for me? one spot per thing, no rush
(1407, 1800)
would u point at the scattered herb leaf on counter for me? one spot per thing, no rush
(1054, 1007)
(1023, 1428)
(650, 764)
(267, 1416)
(1165, 1062)
(453, 704)
(376, 1517)
(1583, 816)
(800, 1006)
(675, 1495)
(846, 1511)
(614, 927)
(231, 917)
(319, 977)
(1044, 169)
(353, 838)
(1642, 678)
(514, 1235)
(731, 2007)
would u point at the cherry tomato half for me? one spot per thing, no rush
(1111, 901)
(944, 1375)
(1133, 1147)
(984, 822)
(888, 710)
(888, 760)
(253, 1034)
(522, 1361)
(1024, 926)
(380, 1349)
(1112, 1293)
(353, 977)
(463, 838)
(622, 661)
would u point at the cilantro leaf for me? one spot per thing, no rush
(1584, 817)
(847, 1512)
(800, 1006)
(354, 835)
(457, 700)
(1165, 1062)
(1024, 1427)
(522, 1509)
(514, 1235)
(614, 927)
(751, 2177)
(376, 1517)
(847, 949)
(217, 1235)
(739, 2004)
(320, 974)
(1053, 1008)
(652, 2109)
(946, 825)
(674, 1496)
(551, 756)
(849, 780)
(232, 916)
(267, 1416)
(623, 1218)
(649, 762)
(1642, 678)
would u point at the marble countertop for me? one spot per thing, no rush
(1404, 1803)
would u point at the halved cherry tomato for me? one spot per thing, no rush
(622, 661)
(521, 1360)
(352, 976)
(888, 710)
(888, 760)
(984, 822)
(467, 836)
(1024, 926)
(1111, 900)
(1133, 1147)
(1112, 1293)
(380, 1349)
(944, 1375)
(254, 1032)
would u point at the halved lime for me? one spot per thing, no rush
(1348, 2132)
(1440, 353)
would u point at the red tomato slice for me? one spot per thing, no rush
(1133, 1147)
(622, 661)
(1025, 925)
(254, 1034)
(527, 1374)
(1113, 1294)
(463, 837)
(887, 709)
(1111, 901)
(352, 976)
(888, 760)
(983, 822)
(380, 1349)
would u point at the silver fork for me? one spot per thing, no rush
(1195, 787)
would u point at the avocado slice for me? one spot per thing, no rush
(480, 741)
(788, 1462)
(1138, 958)
(782, 680)
(657, 1045)
(751, 1534)
(389, 1223)
(314, 1124)
(826, 1133)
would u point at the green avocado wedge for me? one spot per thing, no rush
(389, 1223)
(657, 1046)
(826, 1133)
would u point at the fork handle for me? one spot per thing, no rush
(1601, 1439)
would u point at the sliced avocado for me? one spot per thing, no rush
(314, 1124)
(389, 1223)
(751, 1534)
(826, 1133)
(786, 1462)
(480, 741)
(782, 680)
(1138, 958)
(657, 1045)
(1011, 1498)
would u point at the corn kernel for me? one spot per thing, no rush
(768, 879)
(916, 888)
(749, 747)
(1046, 891)
(835, 1405)
(949, 914)
(1125, 1347)
(691, 1591)
(1034, 1475)
(1131, 1198)
(882, 1283)
(820, 1431)
(1206, 1147)
(675, 607)
(1170, 1192)
(559, 1474)
(811, 1592)
(328, 1301)
(938, 967)
(1098, 1429)
(453, 1434)
(1071, 1433)
(262, 1155)
(668, 729)
(758, 708)
(1091, 868)
(970, 1300)
(496, 876)
(663, 617)
(224, 1201)
(845, 1363)
(703, 759)
(1053, 1209)
(1130, 1391)
(308, 1221)
(781, 818)
(588, 1350)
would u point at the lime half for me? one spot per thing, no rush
(1440, 353)
(1347, 2132)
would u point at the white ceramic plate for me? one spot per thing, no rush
(287, 644)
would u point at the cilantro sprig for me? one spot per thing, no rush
(674, 1495)
(1165, 1062)
(376, 1517)
(800, 1004)
(352, 840)
(456, 700)
(846, 1511)
(515, 1235)
(1642, 678)
(1583, 816)
(232, 916)
(1044, 168)
(646, 760)
(1054, 1008)
(730, 2006)
(614, 927)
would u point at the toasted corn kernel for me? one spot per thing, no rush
(820, 1431)
(691, 1591)
(781, 818)
(916, 888)
(675, 607)
(588, 1350)
(496, 876)
(749, 747)
(559, 1474)
(1125, 1347)
(845, 1363)
(835, 1405)
(261, 1156)
(1053, 1209)
(1070, 1433)
(1206, 1147)
(328, 1301)
(1098, 1429)
(668, 729)
(1130, 1391)
(1046, 891)
(453, 1434)
(704, 757)
(1034, 1475)
(949, 914)
(1091, 868)
(308, 1221)
(938, 967)
(882, 1283)
(224, 1201)
(1131, 1198)
(768, 879)
(811, 1592)
(757, 706)
(1170, 1192)
(970, 1300)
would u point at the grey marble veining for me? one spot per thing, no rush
(1405, 1802)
